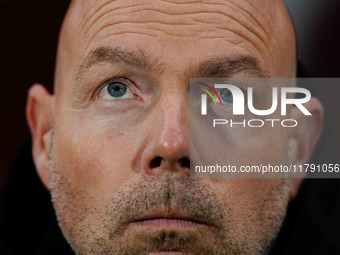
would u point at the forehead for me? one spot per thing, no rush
(174, 34)
(177, 18)
(169, 23)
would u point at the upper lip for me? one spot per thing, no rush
(165, 214)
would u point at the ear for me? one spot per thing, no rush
(304, 137)
(39, 114)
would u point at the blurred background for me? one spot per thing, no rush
(317, 24)
(29, 31)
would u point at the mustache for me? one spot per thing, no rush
(166, 193)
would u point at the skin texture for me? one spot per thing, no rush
(108, 162)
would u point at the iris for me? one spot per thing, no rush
(116, 89)
(226, 96)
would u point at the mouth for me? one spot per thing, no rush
(167, 220)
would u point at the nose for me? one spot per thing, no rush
(168, 148)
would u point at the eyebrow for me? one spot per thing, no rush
(221, 67)
(137, 58)
(225, 67)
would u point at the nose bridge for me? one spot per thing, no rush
(173, 133)
(175, 121)
(168, 146)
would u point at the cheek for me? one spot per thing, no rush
(95, 159)
(238, 147)
(269, 147)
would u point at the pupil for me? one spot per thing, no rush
(116, 89)
(226, 96)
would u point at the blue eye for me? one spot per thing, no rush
(116, 89)
(226, 96)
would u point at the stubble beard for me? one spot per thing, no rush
(93, 230)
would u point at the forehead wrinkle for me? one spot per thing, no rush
(249, 38)
(255, 70)
(95, 15)
(244, 23)
(257, 27)
(265, 23)
(257, 21)
(244, 12)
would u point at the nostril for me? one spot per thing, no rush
(156, 162)
(184, 162)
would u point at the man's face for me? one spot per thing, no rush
(119, 169)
